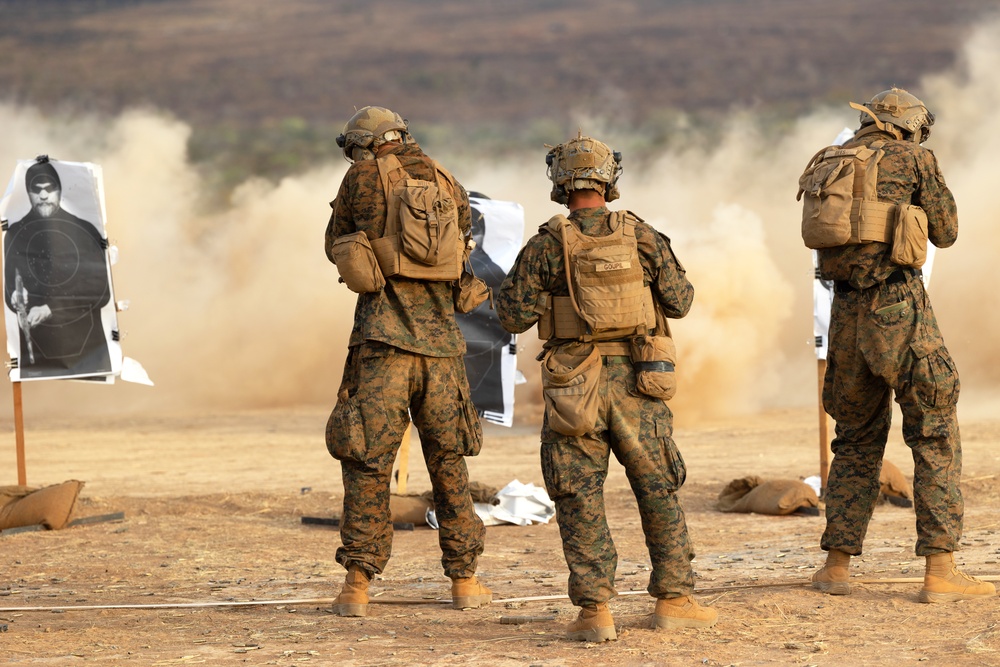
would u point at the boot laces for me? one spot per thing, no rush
(955, 572)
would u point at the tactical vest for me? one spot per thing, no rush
(422, 238)
(841, 204)
(607, 296)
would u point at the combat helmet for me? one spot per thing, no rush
(899, 113)
(369, 128)
(583, 163)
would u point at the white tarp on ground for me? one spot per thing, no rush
(519, 504)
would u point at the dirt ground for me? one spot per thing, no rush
(213, 509)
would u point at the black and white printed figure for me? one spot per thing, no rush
(57, 278)
(490, 359)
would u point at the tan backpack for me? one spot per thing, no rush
(422, 238)
(840, 205)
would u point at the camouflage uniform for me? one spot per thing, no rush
(883, 339)
(635, 427)
(404, 362)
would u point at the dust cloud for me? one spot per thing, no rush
(239, 308)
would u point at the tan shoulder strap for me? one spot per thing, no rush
(387, 165)
(439, 170)
(860, 171)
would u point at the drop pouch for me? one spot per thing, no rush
(355, 260)
(653, 358)
(909, 238)
(570, 378)
(345, 430)
(470, 291)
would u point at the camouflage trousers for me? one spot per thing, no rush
(885, 339)
(383, 388)
(638, 430)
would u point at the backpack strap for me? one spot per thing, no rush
(860, 172)
(387, 165)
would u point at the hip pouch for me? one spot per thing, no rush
(909, 240)
(570, 377)
(355, 260)
(653, 358)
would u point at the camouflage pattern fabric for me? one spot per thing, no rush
(635, 427)
(389, 386)
(414, 315)
(884, 339)
(404, 362)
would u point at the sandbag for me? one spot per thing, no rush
(776, 496)
(893, 482)
(409, 509)
(50, 506)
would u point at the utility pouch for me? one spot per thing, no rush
(470, 291)
(355, 260)
(653, 358)
(909, 242)
(544, 309)
(420, 229)
(470, 439)
(570, 379)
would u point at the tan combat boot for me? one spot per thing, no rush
(833, 578)
(594, 624)
(353, 598)
(943, 582)
(683, 612)
(468, 593)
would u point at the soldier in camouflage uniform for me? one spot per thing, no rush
(635, 427)
(884, 338)
(404, 362)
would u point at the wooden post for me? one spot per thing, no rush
(824, 435)
(404, 462)
(22, 474)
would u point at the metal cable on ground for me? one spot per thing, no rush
(416, 601)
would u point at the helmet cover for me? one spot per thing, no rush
(367, 130)
(900, 109)
(583, 163)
